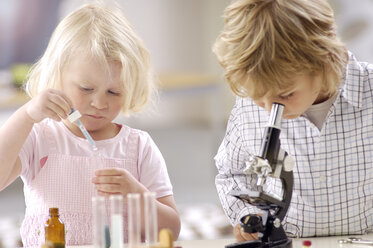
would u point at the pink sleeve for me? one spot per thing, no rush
(153, 170)
(29, 154)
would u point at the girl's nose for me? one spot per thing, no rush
(99, 101)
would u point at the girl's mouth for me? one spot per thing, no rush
(97, 117)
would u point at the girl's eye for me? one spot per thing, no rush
(114, 93)
(286, 97)
(85, 89)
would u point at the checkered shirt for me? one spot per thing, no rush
(333, 172)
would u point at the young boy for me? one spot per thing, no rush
(287, 51)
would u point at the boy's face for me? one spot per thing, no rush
(307, 90)
(95, 92)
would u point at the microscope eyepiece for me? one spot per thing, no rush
(275, 116)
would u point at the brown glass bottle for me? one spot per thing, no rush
(54, 229)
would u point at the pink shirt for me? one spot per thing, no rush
(57, 168)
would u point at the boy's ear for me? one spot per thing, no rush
(327, 67)
(327, 85)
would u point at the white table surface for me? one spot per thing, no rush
(323, 242)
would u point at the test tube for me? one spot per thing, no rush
(99, 223)
(134, 220)
(151, 221)
(116, 206)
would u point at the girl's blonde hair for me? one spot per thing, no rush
(105, 34)
(265, 42)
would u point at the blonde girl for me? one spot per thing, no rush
(94, 63)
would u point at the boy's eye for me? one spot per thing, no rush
(287, 96)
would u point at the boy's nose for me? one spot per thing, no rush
(265, 103)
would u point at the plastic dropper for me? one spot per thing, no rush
(74, 118)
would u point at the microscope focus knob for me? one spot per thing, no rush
(252, 223)
(289, 163)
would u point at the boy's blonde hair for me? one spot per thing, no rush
(103, 33)
(265, 42)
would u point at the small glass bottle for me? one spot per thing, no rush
(54, 229)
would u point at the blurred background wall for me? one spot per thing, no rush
(188, 121)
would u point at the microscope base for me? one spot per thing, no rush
(287, 243)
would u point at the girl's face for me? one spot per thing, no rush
(96, 93)
(307, 91)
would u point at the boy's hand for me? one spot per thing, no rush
(49, 103)
(116, 181)
(241, 236)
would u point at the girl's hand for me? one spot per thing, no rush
(116, 181)
(49, 103)
(241, 236)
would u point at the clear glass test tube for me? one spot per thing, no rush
(150, 219)
(134, 220)
(116, 217)
(99, 221)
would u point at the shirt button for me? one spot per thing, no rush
(330, 182)
(322, 178)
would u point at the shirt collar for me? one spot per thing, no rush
(352, 88)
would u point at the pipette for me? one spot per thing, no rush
(74, 118)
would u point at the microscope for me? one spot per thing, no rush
(271, 162)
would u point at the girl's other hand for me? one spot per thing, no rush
(116, 181)
(241, 236)
(49, 103)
